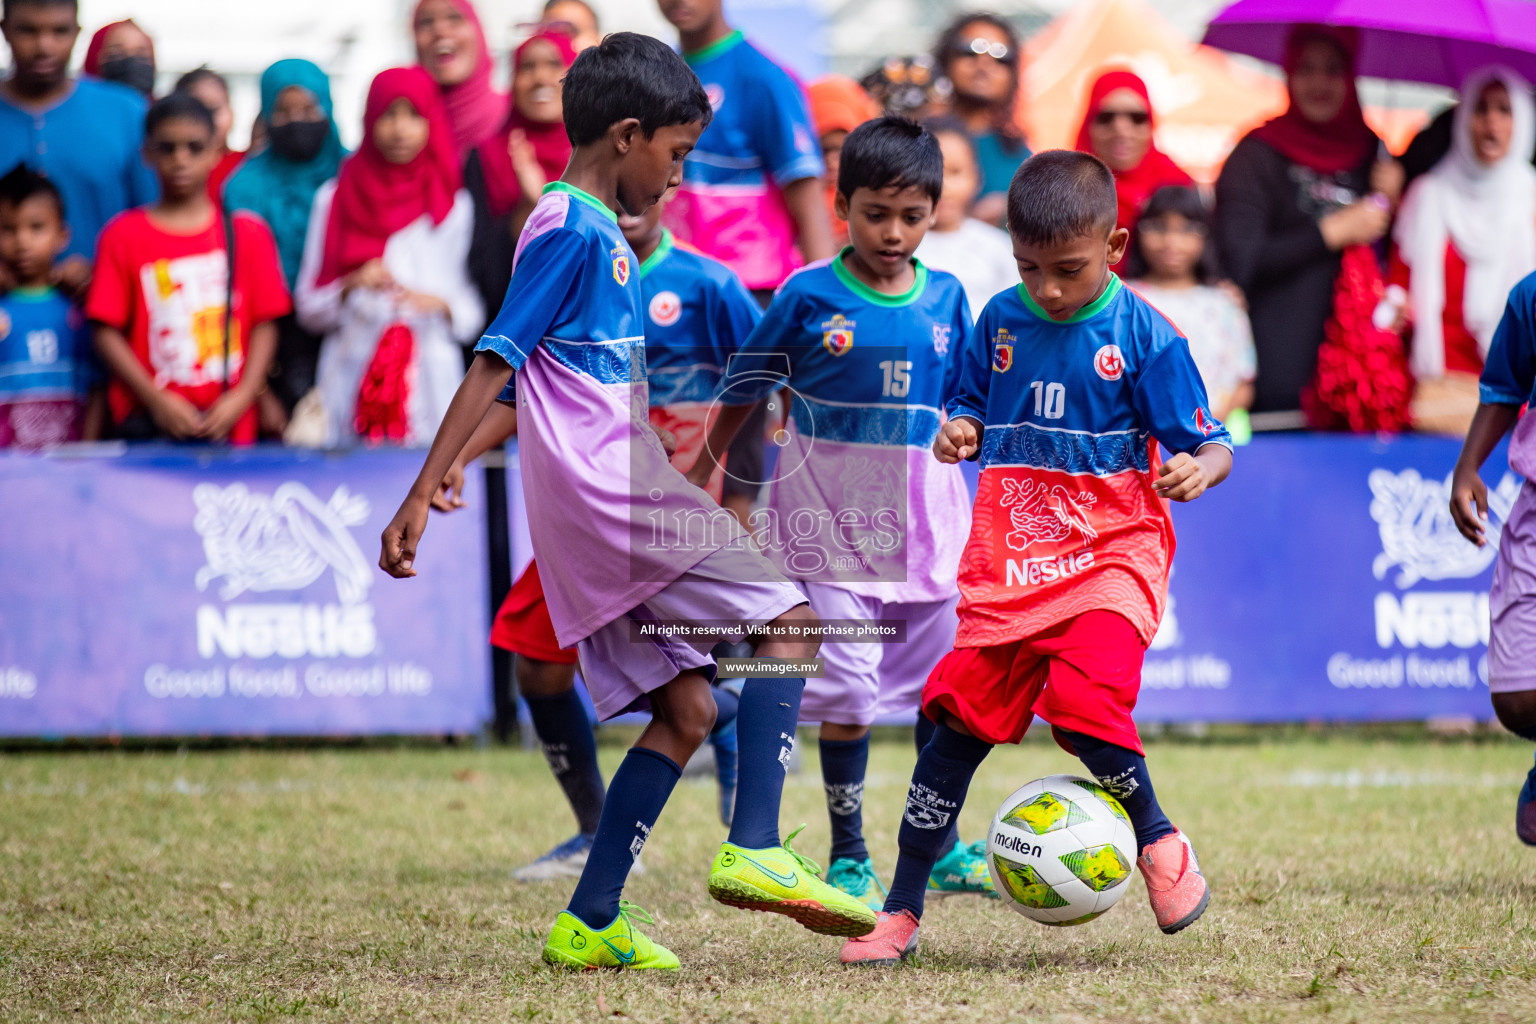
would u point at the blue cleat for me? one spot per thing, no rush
(1525, 810)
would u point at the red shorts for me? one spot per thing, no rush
(522, 623)
(1082, 675)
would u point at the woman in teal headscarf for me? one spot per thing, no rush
(279, 183)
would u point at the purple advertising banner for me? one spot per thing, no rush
(183, 592)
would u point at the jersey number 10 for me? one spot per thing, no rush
(1050, 399)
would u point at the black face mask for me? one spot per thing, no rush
(299, 141)
(135, 72)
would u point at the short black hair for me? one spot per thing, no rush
(1187, 203)
(1059, 195)
(11, 5)
(202, 73)
(22, 183)
(178, 106)
(630, 75)
(891, 152)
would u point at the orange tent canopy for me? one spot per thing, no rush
(1205, 100)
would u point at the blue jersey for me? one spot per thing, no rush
(89, 144)
(697, 314)
(867, 374)
(606, 511)
(1066, 518)
(1509, 372)
(761, 139)
(45, 348)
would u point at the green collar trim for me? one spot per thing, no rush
(662, 250)
(868, 294)
(35, 293)
(714, 49)
(1088, 312)
(586, 197)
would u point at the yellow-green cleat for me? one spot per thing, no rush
(781, 881)
(620, 945)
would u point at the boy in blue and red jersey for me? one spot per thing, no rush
(1064, 389)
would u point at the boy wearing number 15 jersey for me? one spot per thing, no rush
(859, 513)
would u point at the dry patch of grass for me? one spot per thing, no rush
(1354, 880)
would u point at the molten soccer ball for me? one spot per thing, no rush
(1061, 850)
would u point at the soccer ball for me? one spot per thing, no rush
(1060, 850)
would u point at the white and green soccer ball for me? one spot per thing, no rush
(1061, 850)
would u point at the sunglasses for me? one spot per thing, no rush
(1105, 118)
(982, 47)
(166, 147)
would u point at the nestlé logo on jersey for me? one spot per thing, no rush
(1002, 350)
(620, 264)
(1109, 363)
(837, 334)
(666, 309)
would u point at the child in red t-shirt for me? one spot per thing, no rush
(159, 298)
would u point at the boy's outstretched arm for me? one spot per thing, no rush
(1469, 495)
(1185, 477)
(485, 380)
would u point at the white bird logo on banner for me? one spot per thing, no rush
(282, 541)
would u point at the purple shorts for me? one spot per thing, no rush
(619, 670)
(866, 682)
(1512, 600)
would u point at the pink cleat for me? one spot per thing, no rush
(893, 940)
(1174, 883)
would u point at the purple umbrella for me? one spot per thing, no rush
(1435, 41)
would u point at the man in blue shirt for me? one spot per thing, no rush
(84, 135)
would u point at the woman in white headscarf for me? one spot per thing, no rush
(1466, 234)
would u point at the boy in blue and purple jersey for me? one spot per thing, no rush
(1063, 390)
(1508, 382)
(612, 522)
(863, 343)
(47, 369)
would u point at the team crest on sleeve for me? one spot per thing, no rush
(941, 339)
(666, 309)
(837, 334)
(1203, 423)
(1002, 350)
(1109, 362)
(620, 264)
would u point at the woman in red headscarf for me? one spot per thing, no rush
(451, 45)
(383, 277)
(122, 52)
(1294, 195)
(1117, 128)
(507, 173)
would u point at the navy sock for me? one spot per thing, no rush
(765, 736)
(565, 733)
(843, 765)
(1124, 773)
(939, 783)
(639, 792)
(922, 733)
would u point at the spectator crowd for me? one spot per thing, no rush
(157, 284)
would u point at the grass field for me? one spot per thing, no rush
(1354, 880)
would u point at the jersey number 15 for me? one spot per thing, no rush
(898, 377)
